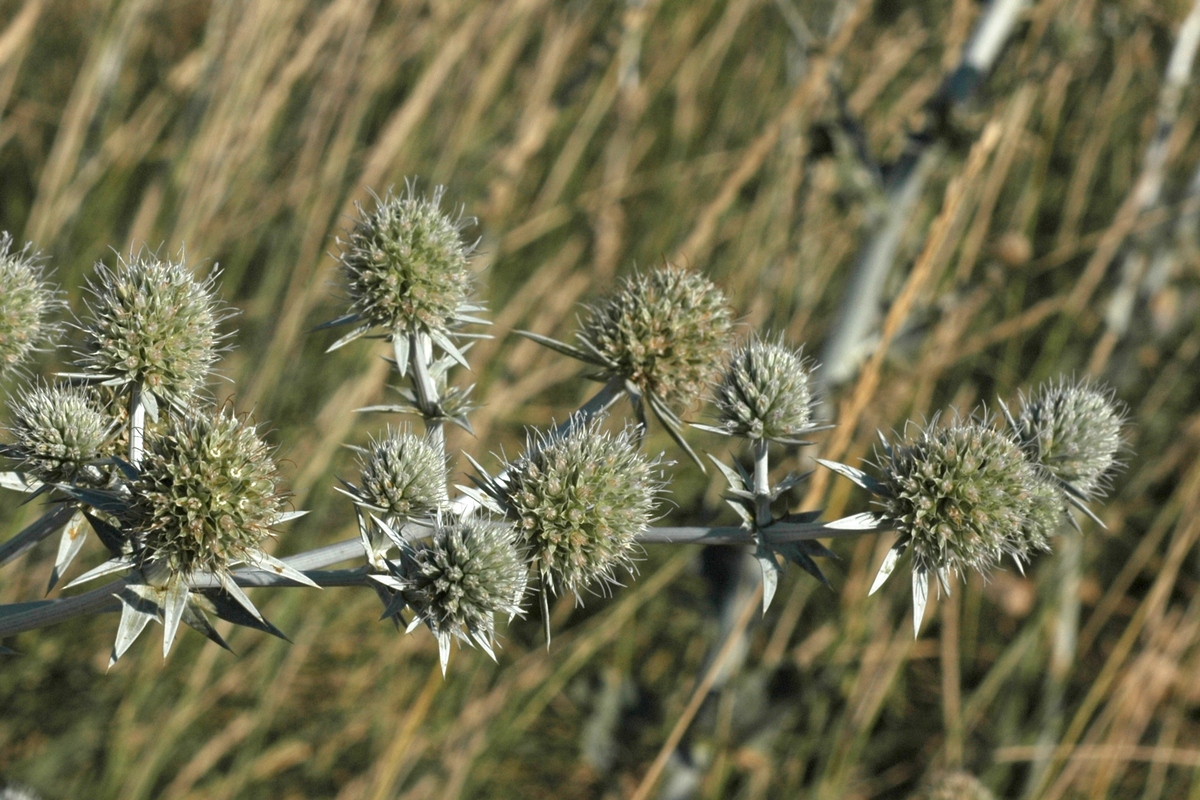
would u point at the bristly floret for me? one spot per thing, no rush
(26, 303)
(205, 495)
(666, 331)
(152, 325)
(57, 433)
(1073, 431)
(406, 268)
(469, 571)
(401, 476)
(579, 498)
(961, 495)
(765, 393)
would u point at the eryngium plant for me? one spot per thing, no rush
(151, 326)
(954, 786)
(765, 394)
(205, 495)
(579, 497)
(406, 269)
(1072, 429)
(57, 434)
(401, 476)
(457, 581)
(26, 303)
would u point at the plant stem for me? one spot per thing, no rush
(762, 483)
(420, 351)
(137, 425)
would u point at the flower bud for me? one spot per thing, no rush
(26, 301)
(765, 393)
(666, 331)
(206, 493)
(402, 476)
(57, 432)
(151, 324)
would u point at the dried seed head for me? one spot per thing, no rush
(153, 325)
(1073, 430)
(962, 495)
(954, 786)
(57, 432)
(26, 302)
(402, 476)
(206, 494)
(469, 571)
(765, 393)
(406, 265)
(666, 331)
(579, 499)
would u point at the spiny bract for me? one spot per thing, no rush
(765, 393)
(206, 493)
(401, 475)
(57, 432)
(1073, 430)
(468, 571)
(580, 497)
(26, 301)
(406, 265)
(151, 324)
(666, 331)
(962, 495)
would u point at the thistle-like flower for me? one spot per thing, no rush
(406, 270)
(152, 326)
(579, 498)
(401, 476)
(954, 786)
(26, 302)
(1073, 431)
(662, 335)
(205, 495)
(960, 496)
(469, 571)
(765, 394)
(57, 434)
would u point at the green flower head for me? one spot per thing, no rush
(151, 324)
(401, 476)
(26, 303)
(469, 571)
(665, 331)
(962, 496)
(57, 433)
(954, 786)
(406, 267)
(206, 493)
(765, 393)
(1073, 431)
(579, 499)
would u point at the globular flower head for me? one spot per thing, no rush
(765, 393)
(961, 495)
(406, 266)
(1073, 431)
(26, 303)
(57, 433)
(1043, 519)
(401, 476)
(469, 571)
(153, 325)
(579, 498)
(666, 331)
(206, 493)
(954, 786)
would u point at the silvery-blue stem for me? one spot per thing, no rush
(424, 387)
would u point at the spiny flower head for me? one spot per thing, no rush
(961, 495)
(469, 571)
(666, 331)
(401, 476)
(206, 493)
(954, 786)
(153, 325)
(1073, 430)
(57, 432)
(765, 393)
(406, 266)
(26, 301)
(580, 497)
(1043, 519)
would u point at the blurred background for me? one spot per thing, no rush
(1035, 214)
